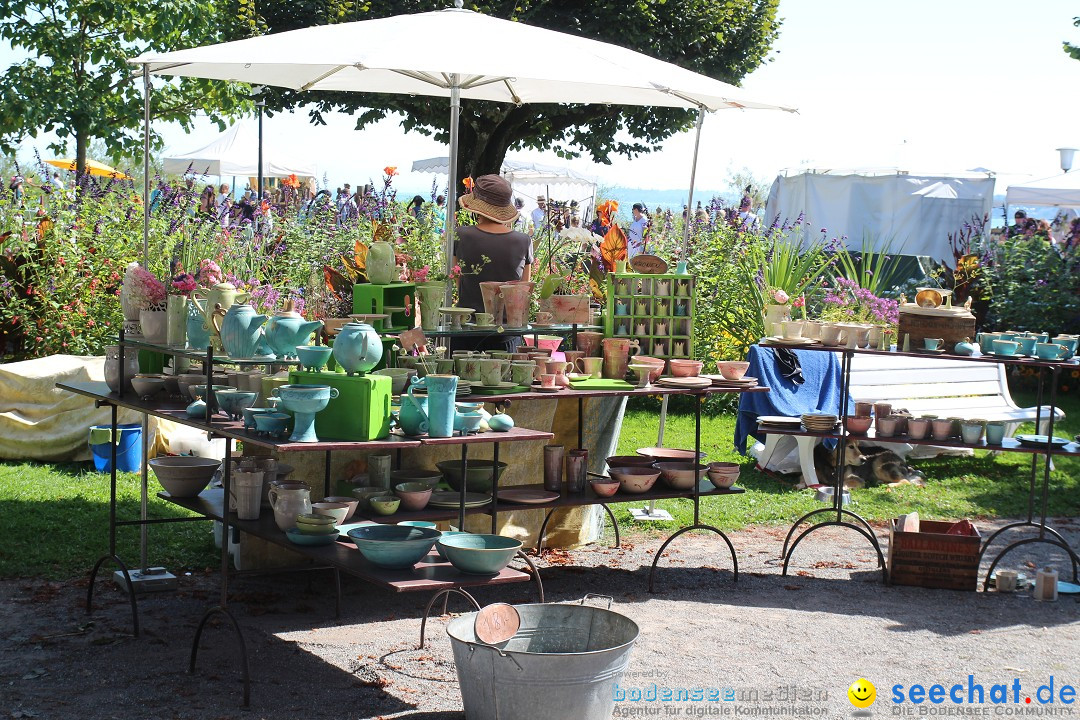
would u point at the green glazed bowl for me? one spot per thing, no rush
(384, 504)
(301, 538)
(478, 554)
(481, 474)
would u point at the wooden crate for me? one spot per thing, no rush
(932, 559)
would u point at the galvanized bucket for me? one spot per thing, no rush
(562, 664)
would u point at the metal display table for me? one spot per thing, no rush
(1038, 493)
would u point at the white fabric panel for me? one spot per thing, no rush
(1056, 191)
(912, 213)
(236, 152)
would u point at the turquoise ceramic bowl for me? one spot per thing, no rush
(305, 398)
(478, 554)
(447, 533)
(302, 538)
(233, 402)
(200, 390)
(273, 423)
(313, 357)
(481, 474)
(395, 547)
(250, 413)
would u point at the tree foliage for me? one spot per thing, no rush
(725, 39)
(77, 83)
(1071, 50)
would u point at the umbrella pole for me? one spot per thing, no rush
(693, 178)
(451, 187)
(146, 166)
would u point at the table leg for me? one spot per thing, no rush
(710, 528)
(239, 636)
(326, 475)
(464, 484)
(431, 603)
(494, 488)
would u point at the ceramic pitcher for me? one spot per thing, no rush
(617, 354)
(413, 417)
(442, 390)
(198, 337)
(240, 329)
(223, 294)
(288, 502)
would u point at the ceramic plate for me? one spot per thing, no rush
(685, 382)
(537, 388)
(1040, 440)
(528, 496)
(664, 454)
(939, 351)
(783, 341)
(779, 420)
(1015, 356)
(474, 326)
(1068, 588)
(500, 385)
(452, 499)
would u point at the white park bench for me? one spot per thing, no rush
(939, 386)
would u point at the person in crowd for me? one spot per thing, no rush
(540, 214)
(16, 187)
(224, 205)
(416, 208)
(440, 212)
(636, 234)
(490, 250)
(208, 201)
(747, 219)
(521, 222)
(1019, 220)
(57, 183)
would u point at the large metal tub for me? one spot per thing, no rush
(562, 664)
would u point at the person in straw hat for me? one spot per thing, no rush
(490, 250)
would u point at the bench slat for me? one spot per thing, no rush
(920, 376)
(963, 391)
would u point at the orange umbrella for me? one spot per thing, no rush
(92, 166)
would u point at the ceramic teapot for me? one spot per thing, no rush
(240, 330)
(358, 348)
(223, 294)
(287, 329)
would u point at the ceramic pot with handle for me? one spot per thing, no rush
(617, 354)
(240, 329)
(358, 348)
(288, 502)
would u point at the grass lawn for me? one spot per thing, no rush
(72, 500)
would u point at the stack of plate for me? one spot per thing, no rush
(819, 422)
(720, 381)
(791, 342)
(779, 422)
(464, 388)
(693, 383)
(448, 499)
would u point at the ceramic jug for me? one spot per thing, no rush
(240, 330)
(112, 367)
(381, 267)
(617, 354)
(489, 290)
(413, 416)
(442, 391)
(288, 502)
(358, 348)
(198, 337)
(223, 294)
(287, 329)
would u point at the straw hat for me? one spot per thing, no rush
(491, 197)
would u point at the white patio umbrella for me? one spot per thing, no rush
(430, 54)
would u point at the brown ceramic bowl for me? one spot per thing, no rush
(659, 454)
(681, 475)
(414, 495)
(657, 364)
(858, 425)
(685, 368)
(723, 474)
(635, 480)
(605, 487)
(629, 461)
(350, 502)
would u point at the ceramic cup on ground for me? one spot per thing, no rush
(1005, 581)
(933, 343)
(995, 432)
(1005, 347)
(972, 431)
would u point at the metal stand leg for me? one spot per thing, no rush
(442, 594)
(535, 573)
(614, 525)
(127, 581)
(710, 528)
(243, 648)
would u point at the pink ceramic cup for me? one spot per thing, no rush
(547, 380)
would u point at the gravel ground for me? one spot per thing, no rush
(769, 638)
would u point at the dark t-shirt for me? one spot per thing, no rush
(506, 256)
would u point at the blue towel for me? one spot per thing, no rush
(820, 390)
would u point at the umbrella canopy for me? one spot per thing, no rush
(418, 55)
(236, 152)
(93, 167)
(1056, 191)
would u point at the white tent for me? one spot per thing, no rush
(236, 153)
(531, 179)
(1056, 191)
(422, 54)
(913, 214)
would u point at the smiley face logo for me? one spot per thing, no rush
(862, 693)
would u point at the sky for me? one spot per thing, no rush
(926, 86)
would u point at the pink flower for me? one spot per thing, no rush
(421, 275)
(780, 296)
(799, 302)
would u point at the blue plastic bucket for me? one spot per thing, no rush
(128, 450)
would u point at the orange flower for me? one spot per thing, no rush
(390, 170)
(468, 182)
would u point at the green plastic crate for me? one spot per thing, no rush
(360, 412)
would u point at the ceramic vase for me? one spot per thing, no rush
(129, 307)
(442, 390)
(617, 354)
(774, 315)
(241, 330)
(198, 338)
(112, 367)
(155, 326)
(430, 296)
(515, 298)
(176, 322)
(489, 290)
(381, 267)
(589, 342)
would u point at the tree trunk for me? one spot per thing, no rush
(82, 142)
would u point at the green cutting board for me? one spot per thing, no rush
(600, 384)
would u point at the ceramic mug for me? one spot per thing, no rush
(792, 329)
(882, 409)
(830, 334)
(942, 429)
(917, 428)
(490, 372)
(1005, 581)
(1005, 347)
(1051, 351)
(547, 380)
(972, 431)
(1027, 344)
(468, 368)
(484, 319)
(863, 409)
(995, 432)
(933, 343)
(523, 373)
(572, 356)
(592, 366)
(986, 340)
